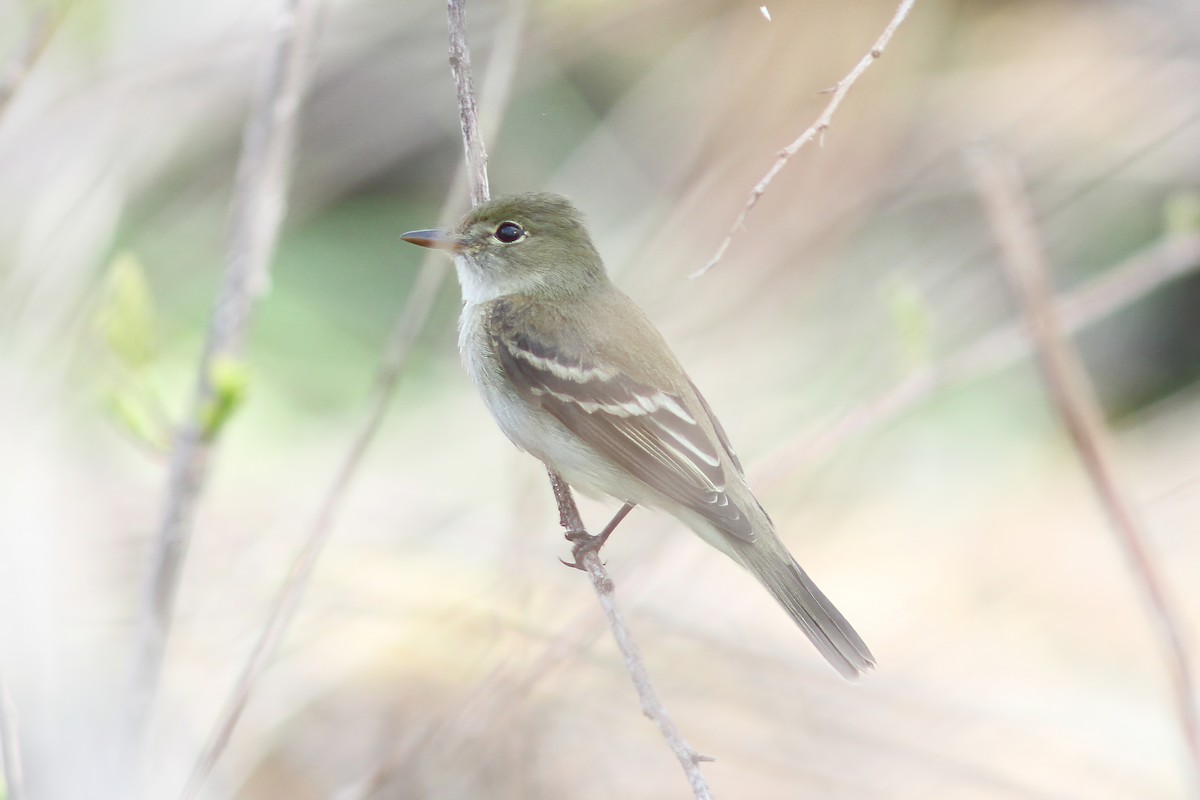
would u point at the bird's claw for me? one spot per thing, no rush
(584, 543)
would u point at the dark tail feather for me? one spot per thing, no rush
(824, 625)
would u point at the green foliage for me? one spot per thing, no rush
(911, 319)
(230, 382)
(127, 326)
(126, 317)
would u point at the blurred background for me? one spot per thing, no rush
(441, 650)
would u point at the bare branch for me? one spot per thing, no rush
(260, 199)
(587, 557)
(10, 747)
(468, 107)
(27, 54)
(818, 127)
(1120, 286)
(1024, 261)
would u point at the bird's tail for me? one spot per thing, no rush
(791, 587)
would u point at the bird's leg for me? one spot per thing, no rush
(568, 517)
(602, 537)
(585, 542)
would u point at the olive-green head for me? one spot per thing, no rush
(531, 244)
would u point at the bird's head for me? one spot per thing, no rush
(534, 243)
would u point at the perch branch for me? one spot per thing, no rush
(260, 199)
(468, 106)
(1010, 216)
(587, 557)
(822, 123)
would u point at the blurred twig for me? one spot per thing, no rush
(409, 324)
(260, 199)
(26, 56)
(587, 557)
(283, 608)
(1118, 287)
(839, 92)
(489, 699)
(1024, 262)
(10, 747)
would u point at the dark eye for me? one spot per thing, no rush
(509, 232)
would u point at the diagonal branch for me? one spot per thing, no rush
(818, 127)
(287, 601)
(260, 200)
(587, 558)
(1024, 262)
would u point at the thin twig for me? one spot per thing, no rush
(587, 557)
(1024, 262)
(27, 54)
(10, 747)
(818, 127)
(468, 107)
(260, 199)
(1118, 287)
(409, 325)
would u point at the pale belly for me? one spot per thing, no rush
(535, 431)
(540, 434)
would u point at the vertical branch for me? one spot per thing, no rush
(1011, 218)
(259, 202)
(468, 107)
(10, 747)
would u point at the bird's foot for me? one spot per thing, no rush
(585, 543)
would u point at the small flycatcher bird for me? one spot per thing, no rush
(576, 375)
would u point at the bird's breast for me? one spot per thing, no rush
(527, 425)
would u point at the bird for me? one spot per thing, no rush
(576, 375)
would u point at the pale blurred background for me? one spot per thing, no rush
(442, 651)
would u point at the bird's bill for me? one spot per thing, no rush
(435, 238)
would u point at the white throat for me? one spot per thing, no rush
(474, 289)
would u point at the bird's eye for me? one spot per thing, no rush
(509, 232)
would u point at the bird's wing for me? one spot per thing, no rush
(647, 431)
